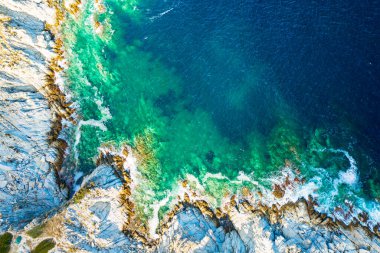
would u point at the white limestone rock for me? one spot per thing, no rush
(191, 231)
(94, 222)
(28, 185)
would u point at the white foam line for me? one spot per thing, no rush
(154, 221)
(242, 177)
(214, 176)
(106, 115)
(161, 14)
(292, 193)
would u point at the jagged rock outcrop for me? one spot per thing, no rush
(192, 231)
(93, 220)
(250, 228)
(297, 229)
(28, 182)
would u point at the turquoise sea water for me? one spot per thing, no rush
(232, 93)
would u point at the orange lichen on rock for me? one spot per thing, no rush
(278, 192)
(51, 90)
(245, 192)
(74, 7)
(184, 183)
(134, 225)
(9, 56)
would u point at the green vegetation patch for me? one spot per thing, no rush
(5, 242)
(44, 246)
(82, 192)
(36, 231)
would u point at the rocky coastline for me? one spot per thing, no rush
(100, 218)
(36, 214)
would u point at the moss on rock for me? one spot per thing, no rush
(44, 246)
(5, 242)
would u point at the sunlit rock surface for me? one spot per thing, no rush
(28, 185)
(191, 231)
(93, 221)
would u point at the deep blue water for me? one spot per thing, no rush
(320, 59)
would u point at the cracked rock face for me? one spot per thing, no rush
(28, 185)
(191, 231)
(296, 230)
(94, 219)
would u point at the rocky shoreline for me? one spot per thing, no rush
(35, 213)
(99, 218)
(30, 115)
